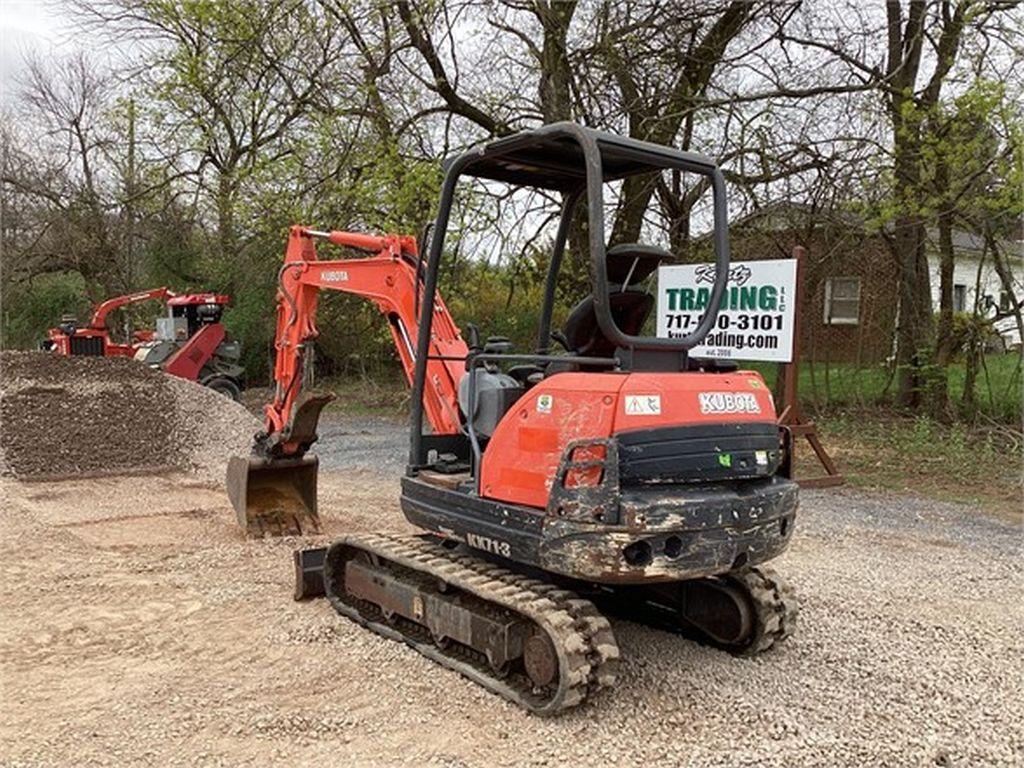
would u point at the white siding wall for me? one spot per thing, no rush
(965, 272)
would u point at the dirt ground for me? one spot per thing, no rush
(138, 627)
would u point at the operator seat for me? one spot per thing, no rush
(629, 309)
(626, 263)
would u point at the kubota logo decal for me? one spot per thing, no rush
(728, 402)
(338, 276)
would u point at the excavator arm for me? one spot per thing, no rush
(389, 280)
(274, 491)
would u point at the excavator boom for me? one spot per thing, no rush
(274, 490)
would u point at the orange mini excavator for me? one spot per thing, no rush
(617, 471)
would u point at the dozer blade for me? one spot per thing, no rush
(274, 496)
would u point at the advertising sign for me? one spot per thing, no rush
(757, 313)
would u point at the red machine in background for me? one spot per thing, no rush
(189, 342)
(94, 339)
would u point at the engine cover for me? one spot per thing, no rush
(650, 411)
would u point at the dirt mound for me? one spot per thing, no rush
(69, 416)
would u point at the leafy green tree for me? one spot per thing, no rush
(967, 160)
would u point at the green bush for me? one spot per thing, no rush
(970, 330)
(36, 306)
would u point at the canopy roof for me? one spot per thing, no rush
(551, 157)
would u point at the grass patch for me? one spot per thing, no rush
(824, 387)
(888, 452)
(387, 396)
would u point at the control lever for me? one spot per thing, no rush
(473, 338)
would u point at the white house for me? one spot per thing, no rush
(976, 280)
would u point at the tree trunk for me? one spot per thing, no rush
(974, 347)
(555, 96)
(913, 334)
(129, 205)
(968, 402)
(556, 72)
(629, 219)
(226, 238)
(939, 390)
(679, 236)
(1005, 279)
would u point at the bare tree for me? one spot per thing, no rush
(57, 160)
(677, 74)
(234, 82)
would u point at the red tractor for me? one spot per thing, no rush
(190, 342)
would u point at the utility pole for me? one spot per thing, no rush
(129, 207)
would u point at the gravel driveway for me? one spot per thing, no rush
(363, 442)
(139, 628)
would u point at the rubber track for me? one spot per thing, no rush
(582, 637)
(775, 607)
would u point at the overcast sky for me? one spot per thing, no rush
(29, 25)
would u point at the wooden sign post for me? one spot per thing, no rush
(792, 416)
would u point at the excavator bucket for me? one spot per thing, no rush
(274, 496)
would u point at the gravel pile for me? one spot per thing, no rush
(74, 416)
(209, 429)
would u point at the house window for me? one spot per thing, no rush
(959, 298)
(842, 301)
